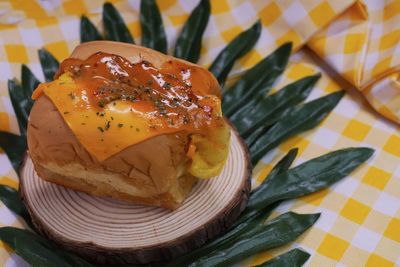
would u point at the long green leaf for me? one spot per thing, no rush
(21, 104)
(10, 197)
(293, 258)
(153, 33)
(237, 48)
(281, 167)
(251, 209)
(311, 176)
(252, 137)
(37, 250)
(88, 31)
(266, 110)
(224, 240)
(29, 81)
(245, 222)
(114, 26)
(49, 64)
(275, 233)
(15, 148)
(36, 254)
(188, 44)
(301, 119)
(30, 247)
(257, 81)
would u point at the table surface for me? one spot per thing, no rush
(360, 222)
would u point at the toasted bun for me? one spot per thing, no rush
(151, 172)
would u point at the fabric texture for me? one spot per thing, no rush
(353, 44)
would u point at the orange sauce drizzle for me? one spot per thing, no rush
(112, 103)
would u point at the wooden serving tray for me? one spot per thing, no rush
(105, 230)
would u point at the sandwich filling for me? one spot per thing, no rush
(110, 104)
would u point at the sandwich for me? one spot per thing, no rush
(130, 123)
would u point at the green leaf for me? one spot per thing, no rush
(15, 148)
(49, 64)
(37, 250)
(153, 33)
(246, 222)
(266, 110)
(114, 26)
(253, 208)
(275, 233)
(27, 246)
(237, 48)
(188, 44)
(293, 258)
(88, 31)
(312, 175)
(21, 104)
(281, 167)
(10, 197)
(38, 256)
(301, 119)
(257, 81)
(227, 238)
(29, 81)
(252, 137)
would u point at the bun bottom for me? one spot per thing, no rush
(171, 199)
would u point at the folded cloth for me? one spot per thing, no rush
(363, 45)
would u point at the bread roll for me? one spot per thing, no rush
(141, 153)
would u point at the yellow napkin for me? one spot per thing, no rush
(363, 44)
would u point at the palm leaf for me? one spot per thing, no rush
(309, 177)
(20, 96)
(188, 44)
(39, 251)
(245, 222)
(29, 81)
(114, 26)
(237, 48)
(299, 120)
(293, 258)
(275, 233)
(257, 81)
(10, 197)
(21, 103)
(15, 148)
(88, 31)
(268, 109)
(49, 64)
(153, 33)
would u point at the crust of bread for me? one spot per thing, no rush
(151, 172)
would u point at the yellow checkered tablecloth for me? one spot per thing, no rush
(350, 42)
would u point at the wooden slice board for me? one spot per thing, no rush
(110, 231)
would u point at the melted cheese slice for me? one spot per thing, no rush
(121, 124)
